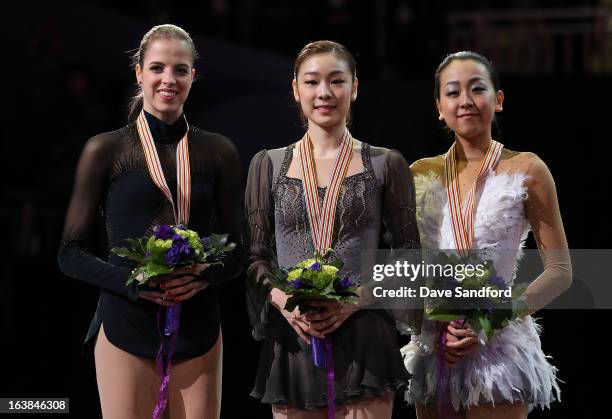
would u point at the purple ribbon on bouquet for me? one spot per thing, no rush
(172, 320)
(444, 403)
(322, 354)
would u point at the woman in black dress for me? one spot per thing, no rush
(113, 175)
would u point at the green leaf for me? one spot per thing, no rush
(154, 269)
(485, 325)
(443, 317)
(519, 308)
(229, 247)
(125, 253)
(518, 290)
(218, 240)
(337, 264)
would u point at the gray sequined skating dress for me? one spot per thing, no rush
(374, 204)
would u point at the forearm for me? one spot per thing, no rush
(75, 261)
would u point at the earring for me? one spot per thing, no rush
(440, 117)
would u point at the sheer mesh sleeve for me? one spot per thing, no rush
(74, 258)
(399, 206)
(228, 202)
(259, 240)
(401, 230)
(542, 209)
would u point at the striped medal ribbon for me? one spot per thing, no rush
(183, 172)
(462, 215)
(322, 219)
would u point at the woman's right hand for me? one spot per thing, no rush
(460, 341)
(160, 297)
(295, 319)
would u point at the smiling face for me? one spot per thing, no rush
(468, 101)
(324, 88)
(165, 75)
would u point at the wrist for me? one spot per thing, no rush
(361, 297)
(277, 298)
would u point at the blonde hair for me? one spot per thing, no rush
(166, 31)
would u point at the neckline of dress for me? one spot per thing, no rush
(365, 158)
(165, 133)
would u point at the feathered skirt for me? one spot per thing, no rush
(510, 367)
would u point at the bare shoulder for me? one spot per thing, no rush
(428, 164)
(523, 161)
(538, 174)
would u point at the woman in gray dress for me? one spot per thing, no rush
(375, 199)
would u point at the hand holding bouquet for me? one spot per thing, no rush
(312, 285)
(181, 252)
(169, 248)
(486, 311)
(314, 280)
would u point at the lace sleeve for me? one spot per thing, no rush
(259, 240)
(74, 258)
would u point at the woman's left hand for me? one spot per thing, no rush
(187, 284)
(331, 316)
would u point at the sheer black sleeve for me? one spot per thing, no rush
(228, 206)
(259, 240)
(74, 258)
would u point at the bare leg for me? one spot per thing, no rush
(195, 385)
(431, 412)
(280, 411)
(500, 411)
(127, 384)
(369, 408)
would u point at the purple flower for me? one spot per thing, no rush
(316, 267)
(179, 251)
(499, 282)
(205, 242)
(297, 283)
(147, 254)
(173, 256)
(163, 231)
(346, 282)
(181, 227)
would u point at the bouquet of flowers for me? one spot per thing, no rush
(482, 300)
(314, 279)
(169, 247)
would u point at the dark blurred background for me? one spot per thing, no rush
(66, 77)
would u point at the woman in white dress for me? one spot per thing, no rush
(496, 197)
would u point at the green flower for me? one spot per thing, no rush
(321, 280)
(163, 244)
(296, 273)
(306, 263)
(328, 269)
